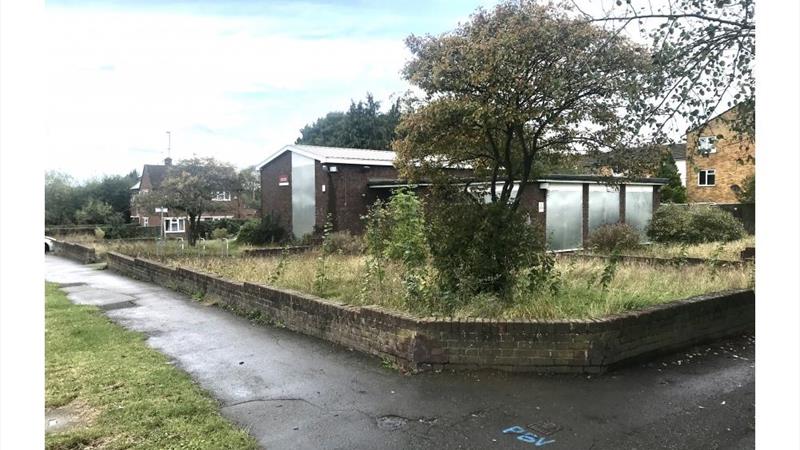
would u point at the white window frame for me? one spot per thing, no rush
(174, 224)
(145, 221)
(222, 196)
(707, 173)
(709, 142)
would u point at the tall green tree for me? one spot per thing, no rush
(362, 126)
(514, 84)
(673, 191)
(250, 186)
(190, 187)
(62, 198)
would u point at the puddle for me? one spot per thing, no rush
(391, 423)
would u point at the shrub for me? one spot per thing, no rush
(99, 233)
(477, 247)
(343, 242)
(219, 233)
(232, 225)
(609, 237)
(262, 232)
(693, 225)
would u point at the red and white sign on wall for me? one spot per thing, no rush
(283, 180)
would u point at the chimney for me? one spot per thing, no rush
(167, 161)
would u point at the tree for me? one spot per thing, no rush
(250, 186)
(114, 190)
(704, 49)
(747, 192)
(96, 212)
(61, 199)
(674, 191)
(362, 126)
(189, 188)
(513, 85)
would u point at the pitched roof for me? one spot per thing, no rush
(678, 151)
(156, 172)
(337, 155)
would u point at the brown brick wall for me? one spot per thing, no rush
(277, 200)
(733, 162)
(76, 252)
(591, 345)
(346, 194)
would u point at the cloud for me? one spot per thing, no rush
(118, 80)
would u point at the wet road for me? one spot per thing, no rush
(296, 392)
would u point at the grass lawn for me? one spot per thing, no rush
(127, 394)
(729, 251)
(634, 286)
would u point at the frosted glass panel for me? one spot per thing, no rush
(303, 215)
(638, 206)
(564, 217)
(603, 205)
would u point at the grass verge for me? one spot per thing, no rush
(129, 394)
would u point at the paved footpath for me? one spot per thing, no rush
(296, 392)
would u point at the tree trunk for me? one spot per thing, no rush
(192, 230)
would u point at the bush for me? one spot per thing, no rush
(99, 233)
(232, 225)
(619, 236)
(267, 230)
(480, 248)
(219, 233)
(345, 243)
(693, 225)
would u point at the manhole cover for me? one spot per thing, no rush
(117, 305)
(391, 423)
(544, 428)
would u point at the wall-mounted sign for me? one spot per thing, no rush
(283, 180)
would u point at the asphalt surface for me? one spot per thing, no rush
(295, 392)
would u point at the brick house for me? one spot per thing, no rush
(301, 184)
(718, 160)
(153, 175)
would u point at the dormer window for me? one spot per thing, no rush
(222, 196)
(707, 145)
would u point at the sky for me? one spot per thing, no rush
(235, 80)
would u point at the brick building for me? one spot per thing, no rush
(301, 184)
(153, 176)
(718, 160)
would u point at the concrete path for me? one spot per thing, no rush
(296, 392)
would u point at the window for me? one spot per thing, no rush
(174, 225)
(145, 221)
(707, 145)
(222, 196)
(706, 177)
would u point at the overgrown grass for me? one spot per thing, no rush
(724, 251)
(633, 286)
(149, 248)
(133, 397)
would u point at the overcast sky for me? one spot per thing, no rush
(231, 79)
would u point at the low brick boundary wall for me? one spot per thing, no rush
(81, 253)
(655, 260)
(591, 345)
(275, 251)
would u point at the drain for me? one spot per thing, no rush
(545, 428)
(117, 305)
(391, 423)
(65, 285)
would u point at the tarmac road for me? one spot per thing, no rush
(296, 392)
